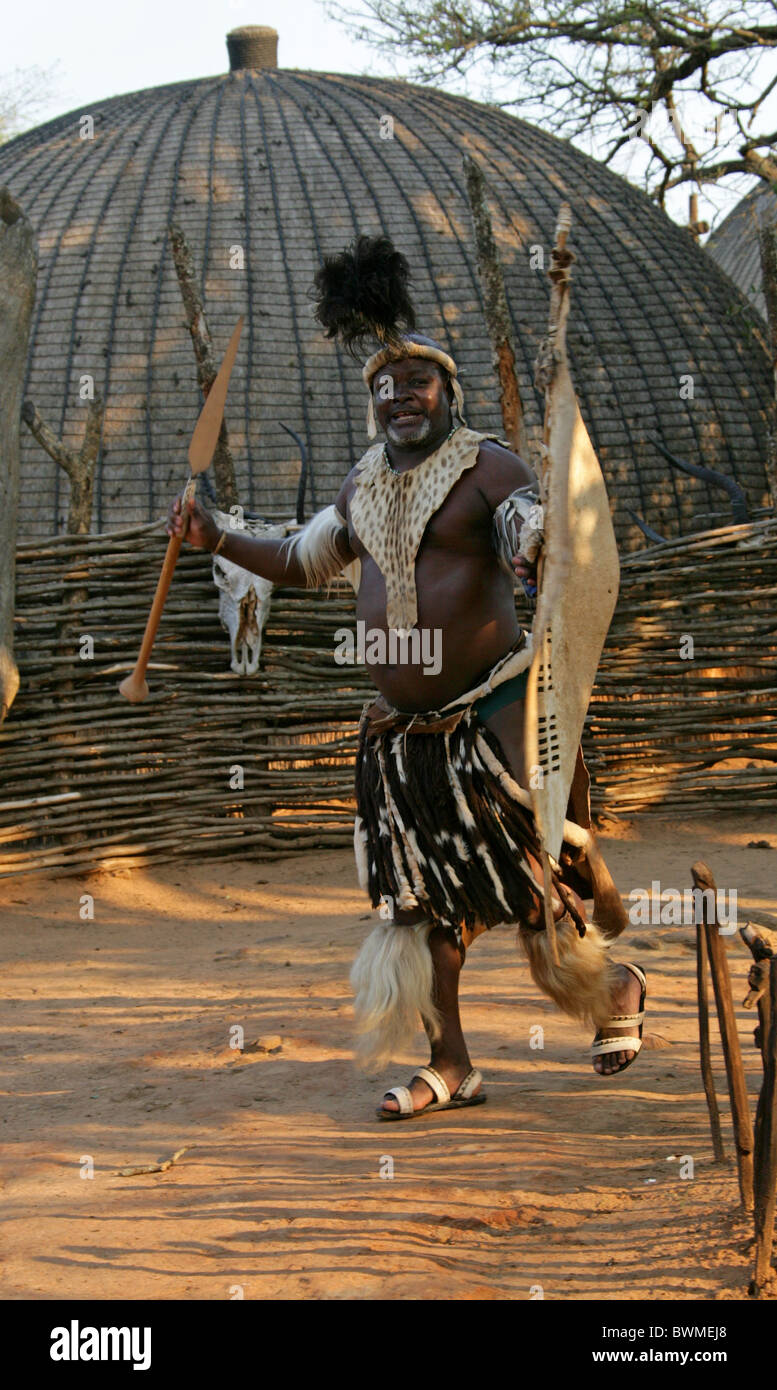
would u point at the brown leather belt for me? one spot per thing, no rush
(379, 716)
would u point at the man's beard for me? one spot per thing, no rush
(416, 436)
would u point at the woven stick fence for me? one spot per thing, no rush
(216, 763)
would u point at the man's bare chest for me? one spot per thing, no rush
(460, 525)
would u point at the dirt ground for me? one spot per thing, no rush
(115, 1046)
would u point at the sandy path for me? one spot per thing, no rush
(115, 1047)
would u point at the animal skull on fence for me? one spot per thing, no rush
(244, 598)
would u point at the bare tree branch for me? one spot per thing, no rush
(604, 68)
(78, 466)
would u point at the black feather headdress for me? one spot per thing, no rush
(363, 292)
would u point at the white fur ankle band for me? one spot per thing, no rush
(393, 980)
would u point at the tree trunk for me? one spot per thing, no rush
(767, 238)
(18, 278)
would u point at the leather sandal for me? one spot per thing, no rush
(444, 1100)
(600, 1046)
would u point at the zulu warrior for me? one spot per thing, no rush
(436, 525)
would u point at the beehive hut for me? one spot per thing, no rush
(267, 169)
(734, 244)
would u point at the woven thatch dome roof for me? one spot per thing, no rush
(289, 165)
(734, 244)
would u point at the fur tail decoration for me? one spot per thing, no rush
(315, 546)
(393, 981)
(582, 983)
(363, 292)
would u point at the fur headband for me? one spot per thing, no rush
(408, 347)
(363, 292)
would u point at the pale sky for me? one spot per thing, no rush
(95, 52)
(103, 52)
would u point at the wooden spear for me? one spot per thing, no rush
(203, 442)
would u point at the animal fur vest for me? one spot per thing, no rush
(390, 512)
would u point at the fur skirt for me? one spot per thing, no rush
(436, 827)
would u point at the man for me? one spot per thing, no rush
(444, 840)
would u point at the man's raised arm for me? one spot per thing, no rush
(312, 557)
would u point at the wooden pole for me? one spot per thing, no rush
(767, 245)
(764, 1036)
(704, 1045)
(764, 1024)
(223, 463)
(766, 1149)
(18, 278)
(735, 1072)
(762, 944)
(495, 308)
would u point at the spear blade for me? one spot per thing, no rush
(201, 450)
